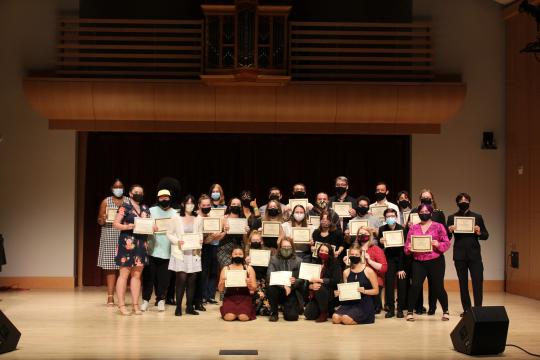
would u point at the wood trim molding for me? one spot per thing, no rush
(489, 285)
(82, 141)
(39, 282)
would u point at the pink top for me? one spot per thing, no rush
(437, 232)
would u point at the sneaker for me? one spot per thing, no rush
(161, 305)
(145, 305)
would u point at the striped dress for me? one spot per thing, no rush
(108, 241)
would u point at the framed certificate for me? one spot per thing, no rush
(282, 278)
(317, 246)
(378, 210)
(192, 241)
(211, 225)
(342, 209)
(349, 291)
(237, 225)
(111, 214)
(406, 216)
(163, 225)
(271, 228)
(355, 225)
(464, 225)
(421, 243)
(217, 212)
(315, 221)
(310, 271)
(301, 235)
(414, 218)
(236, 278)
(294, 202)
(144, 226)
(259, 257)
(393, 238)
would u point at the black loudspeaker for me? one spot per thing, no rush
(482, 331)
(9, 335)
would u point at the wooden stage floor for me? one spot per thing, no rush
(75, 324)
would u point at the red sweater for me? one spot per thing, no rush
(377, 254)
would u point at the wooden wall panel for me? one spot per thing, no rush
(306, 104)
(184, 102)
(245, 104)
(123, 101)
(378, 103)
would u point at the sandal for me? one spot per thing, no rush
(410, 316)
(137, 310)
(110, 300)
(445, 316)
(123, 310)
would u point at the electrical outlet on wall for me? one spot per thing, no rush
(514, 259)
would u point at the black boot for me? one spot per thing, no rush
(178, 311)
(200, 307)
(273, 317)
(191, 311)
(389, 314)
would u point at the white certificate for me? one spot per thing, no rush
(217, 212)
(270, 228)
(406, 216)
(301, 235)
(192, 241)
(236, 278)
(464, 225)
(421, 243)
(414, 218)
(259, 257)
(355, 225)
(342, 209)
(294, 202)
(315, 221)
(163, 224)
(237, 225)
(378, 210)
(318, 245)
(280, 278)
(393, 238)
(310, 271)
(111, 214)
(144, 226)
(349, 291)
(211, 225)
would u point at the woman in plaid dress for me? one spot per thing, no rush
(109, 237)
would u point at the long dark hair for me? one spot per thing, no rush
(293, 220)
(228, 211)
(183, 205)
(331, 258)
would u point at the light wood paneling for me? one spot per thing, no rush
(38, 282)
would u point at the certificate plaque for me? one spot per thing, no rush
(310, 271)
(294, 202)
(163, 225)
(236, 278)
(282, 278)
(237, 225)
(111, 214)
(315, 221)
(406, 215)
(355, 225)
(317, 246)
(144, 226)
(192, 241)
(271, 228)
(393, 238)
(301, 235)
(211, 225)
(259, 257)
(217, 212)
(464, 225)
(414, 218)
(378, 211)
(349, 291)
(342, 209)
(421, 243)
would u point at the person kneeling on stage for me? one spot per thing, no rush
(237, 301)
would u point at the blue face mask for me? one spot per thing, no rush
(391, 221)
(118, 192)
(216, 196)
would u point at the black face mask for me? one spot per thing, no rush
(463, 206)
(424, 217)
(404, 204)
(164, 204)
(380, 196)
(138, 197)
(206, 211)
(256, 245)
(246, 202)
(238, 260)
(340, 190)
(273, 197)
(354, 259)
(299, 194)
(273, 212)
(235, 210)
(362, 210)
(426, 201)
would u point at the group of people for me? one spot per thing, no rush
(157, 262)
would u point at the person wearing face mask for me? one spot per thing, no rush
(131, 255)
(298, 219)
(218, 196)
(237, 301)
(430, 264)
(395, 274)
(298, 192)
(291, 297)
(362, 210)
(274, 194)
(156, 274)
(328, 233)
(321, 299)
(273, 213)
(109, 237)
(260, 301)
(358, 311)
(467, 256)
(322, 203)
(342, 195)
(234, 211)
(381, 192)
(404, 204)
(250, 209)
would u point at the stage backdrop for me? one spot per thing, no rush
(237, 162)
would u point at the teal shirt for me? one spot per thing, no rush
(159, 245)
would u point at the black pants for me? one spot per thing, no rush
(432, 296)
(377, 301)
(476, 267)
(208, 278)
(155, 273)
(433, 269)
(171, 289)
(390, 280)
(322, 302)
(185, 282)
(276, 296)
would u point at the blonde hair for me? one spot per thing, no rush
(434, 204)
(220, 189)
(248, 242)
(280, 214)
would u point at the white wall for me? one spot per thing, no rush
(469, 40)
(37, 166)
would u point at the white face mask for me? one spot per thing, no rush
(298, 217)
(118, 192)
(190, 207)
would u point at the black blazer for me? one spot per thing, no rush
(466, 246)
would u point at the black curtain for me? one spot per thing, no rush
(237, 162)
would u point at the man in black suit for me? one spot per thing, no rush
(467, 256)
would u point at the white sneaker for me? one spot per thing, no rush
(144, 305)
(161, 305)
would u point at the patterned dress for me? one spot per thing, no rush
(109, 240)
(132, 249)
